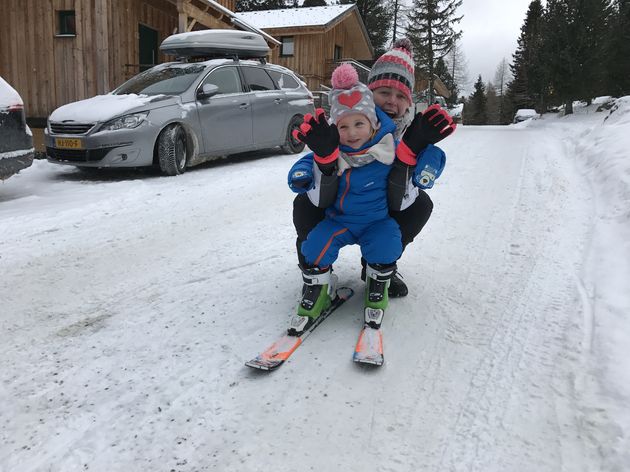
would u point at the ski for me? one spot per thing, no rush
(369, 347)
(281, 349)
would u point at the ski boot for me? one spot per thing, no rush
(317, 294)
(378, 277)
(397, 287)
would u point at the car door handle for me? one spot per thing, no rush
(244, 106)
(278, 101)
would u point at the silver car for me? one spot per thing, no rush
(16, 140)
(179, 114)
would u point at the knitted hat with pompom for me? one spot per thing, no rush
(350, 96)
(394, 69)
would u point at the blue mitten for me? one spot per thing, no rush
(300, 180)
(431, 162)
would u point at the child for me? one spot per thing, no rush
(352, 158)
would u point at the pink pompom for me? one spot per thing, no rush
(344, 77)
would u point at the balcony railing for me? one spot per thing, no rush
(361, 69)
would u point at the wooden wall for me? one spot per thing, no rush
(49, 71)
(314, 48)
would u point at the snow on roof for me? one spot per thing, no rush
(8, 95)
(295, 17)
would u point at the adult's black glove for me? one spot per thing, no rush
(429, 127)
(317, 134)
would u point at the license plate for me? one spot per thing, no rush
(68, 143)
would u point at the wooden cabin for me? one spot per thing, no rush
(314, 39)
(55, 52)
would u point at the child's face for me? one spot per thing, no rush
(354, 130)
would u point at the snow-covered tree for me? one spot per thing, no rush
(431, 30)
(502, 77)
(458, 70)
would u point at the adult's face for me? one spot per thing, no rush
(391, 100)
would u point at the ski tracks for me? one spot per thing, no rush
(490, 387)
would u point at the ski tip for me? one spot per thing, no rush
(369, 361)
(260, 364)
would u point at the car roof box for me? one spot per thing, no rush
(216, 43)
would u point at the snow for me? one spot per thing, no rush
(130, 302)
(18, 153)
(100, 108)
(293, 17)
(8, 95)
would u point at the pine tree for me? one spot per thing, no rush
(591, 25)
(432, 34)
(475, 110)
(314, 3)
(528, 88)
(442, 72)
(618, 50)
(575, 37)
(492, 105)
(378, 20)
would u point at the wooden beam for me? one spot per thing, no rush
(182, 17)
(207, 19)
(193, 22)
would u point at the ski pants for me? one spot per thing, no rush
(410, 220)
(380, 241)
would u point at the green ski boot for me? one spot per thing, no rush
(317, 295)
(378, 277)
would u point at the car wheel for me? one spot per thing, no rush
(172, 150)
(292, 145)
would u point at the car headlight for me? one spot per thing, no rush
(125, 122)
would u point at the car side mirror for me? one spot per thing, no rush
(207, 91)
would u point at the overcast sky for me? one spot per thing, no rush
(491, 28)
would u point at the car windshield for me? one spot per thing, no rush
(167, 79)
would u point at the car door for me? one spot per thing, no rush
(269, 107)
(226, 118)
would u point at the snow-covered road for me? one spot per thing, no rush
(129, 303)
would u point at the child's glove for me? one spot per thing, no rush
(322, 138)
(430, 165)
(426, 128)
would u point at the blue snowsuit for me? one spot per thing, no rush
(360, 214)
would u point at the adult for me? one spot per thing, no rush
(391, 80)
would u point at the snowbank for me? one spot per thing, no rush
(603, 151)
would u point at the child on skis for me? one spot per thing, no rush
(354, 154)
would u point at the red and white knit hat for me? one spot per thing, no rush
(395, 69)
(350, 96)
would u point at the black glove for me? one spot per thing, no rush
(317, 134)
(427, 128)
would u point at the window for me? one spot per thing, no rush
(66, 25)
(337, 54)
(286, 49)
(283, 81)
(166, 79)
(258, 79)
(226, 78)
